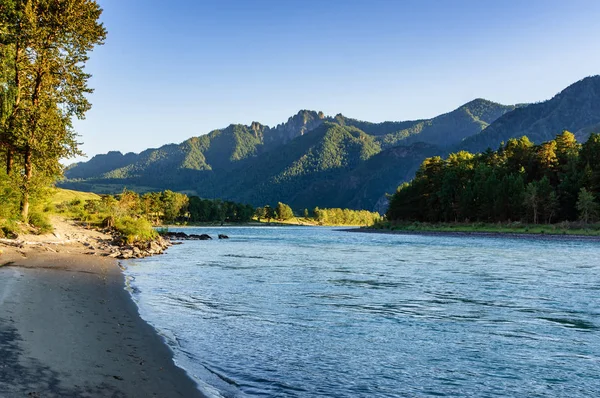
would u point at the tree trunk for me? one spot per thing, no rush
(15, 110)
(26, 182)
(9, 161)
(35, 99)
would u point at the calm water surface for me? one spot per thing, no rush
(309, 312)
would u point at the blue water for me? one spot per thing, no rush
(310, 312)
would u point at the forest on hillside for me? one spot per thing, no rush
(555, 181)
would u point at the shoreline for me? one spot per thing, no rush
(69, 327)
(507, 235)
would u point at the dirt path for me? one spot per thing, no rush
(69, 237)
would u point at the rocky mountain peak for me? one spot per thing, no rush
(297, 125)
(258, 129)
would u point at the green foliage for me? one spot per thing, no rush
(283, 212)
(65, 195)
(270, 213)
(216, 210)
(156, 207)
(260, 213)
(345, 217)
(44, 86)
(9, 229)
(587, 206)
(562, 228)
(135, 230)
(41, 222)
(9, 197)
(518, 182)
(173, 204)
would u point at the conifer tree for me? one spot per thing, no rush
(587, 207)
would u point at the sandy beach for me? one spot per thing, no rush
(68, 328)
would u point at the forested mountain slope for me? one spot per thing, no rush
(575, 108)
(367, 185)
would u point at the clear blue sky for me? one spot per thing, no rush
(171, 70)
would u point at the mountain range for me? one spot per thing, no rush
(331, 161)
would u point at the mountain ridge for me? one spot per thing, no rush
(317, 160)
(575, 108)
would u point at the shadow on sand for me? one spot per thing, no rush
(21, 376)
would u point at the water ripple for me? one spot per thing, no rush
(314, 312)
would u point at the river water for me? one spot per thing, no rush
(317, 312)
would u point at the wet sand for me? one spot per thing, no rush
(69, 329)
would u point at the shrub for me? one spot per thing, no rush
(162, 230)
(41, 221)
(108, 222)
(9, 229)
(135, 229)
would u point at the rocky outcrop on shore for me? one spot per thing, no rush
(184, 236)
(139, 249)
(156, 246)
(111, 246)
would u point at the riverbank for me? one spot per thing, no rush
(489, 234)
(69, 328)
(293, 222)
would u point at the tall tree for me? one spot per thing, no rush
(283, 211)
(48, 42)
(587, 207)
(520, 181)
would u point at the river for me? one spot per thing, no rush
(318, 312)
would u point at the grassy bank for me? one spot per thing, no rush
(306, 222)
(95, 211)
(563, 228)
(295, 221)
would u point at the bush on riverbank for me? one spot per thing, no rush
(41, 221)
(134, 230)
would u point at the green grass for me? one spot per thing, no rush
(66, 195)
(72, 204)
(41, 221)
(563, 228)
(75, 204)
(9, 229)
(108, 189)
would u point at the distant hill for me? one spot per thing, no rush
(576, 108)
(217, 150)
(100, 164)
(326, 153)
(444, 131)
(367, 185)
(318, 160)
